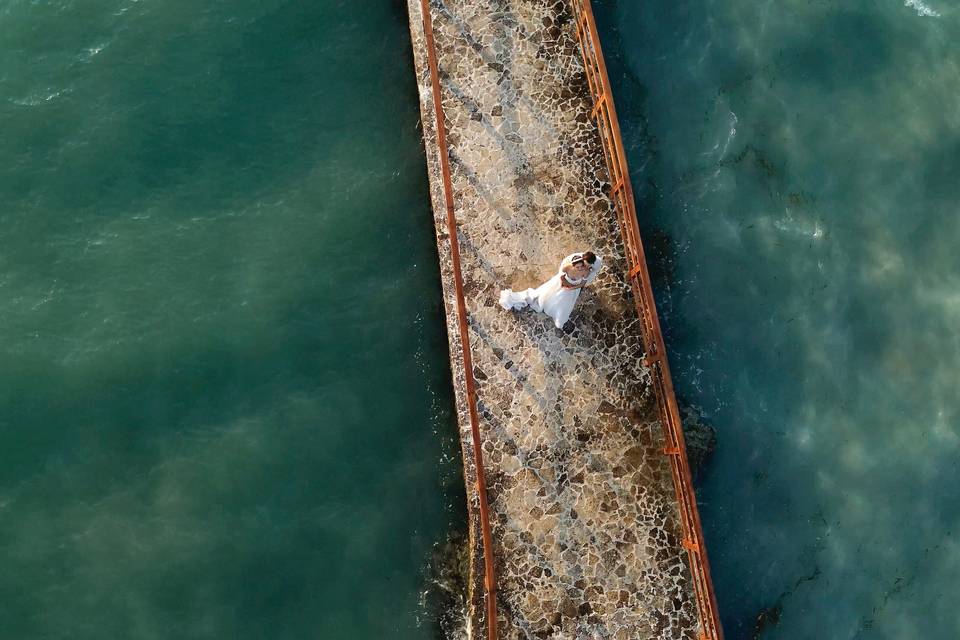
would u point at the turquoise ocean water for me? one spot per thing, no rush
(224, 399)
(797, 168)
(224, 393)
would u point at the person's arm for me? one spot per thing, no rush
(566, 284)
(565, 266)
(565, 280)
(594, 270)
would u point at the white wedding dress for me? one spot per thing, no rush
(550, 297)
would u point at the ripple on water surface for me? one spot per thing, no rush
(797, 169)
(224, 400)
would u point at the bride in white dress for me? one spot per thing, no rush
(556, 296)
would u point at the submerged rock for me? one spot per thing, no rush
(701, 439)
(769, 617)
(445, 596)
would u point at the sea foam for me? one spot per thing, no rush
(921, 8)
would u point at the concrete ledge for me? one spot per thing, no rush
(584, 514)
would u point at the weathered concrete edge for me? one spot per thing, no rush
(475, 597)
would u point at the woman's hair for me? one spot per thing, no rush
(589, 257)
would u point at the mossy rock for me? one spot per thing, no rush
(448, 575)
(701, 439)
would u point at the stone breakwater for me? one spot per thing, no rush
(583, 509)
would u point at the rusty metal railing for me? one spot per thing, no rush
(469, 382)
(621, 194)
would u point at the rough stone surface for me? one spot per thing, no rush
(584, 514)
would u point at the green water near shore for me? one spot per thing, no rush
(225, 399)
(797, 168)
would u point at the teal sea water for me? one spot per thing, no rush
(224, 399)
(797, 167)
(224, 393)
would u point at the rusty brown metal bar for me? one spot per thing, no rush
(621, 195)
(470, 383)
